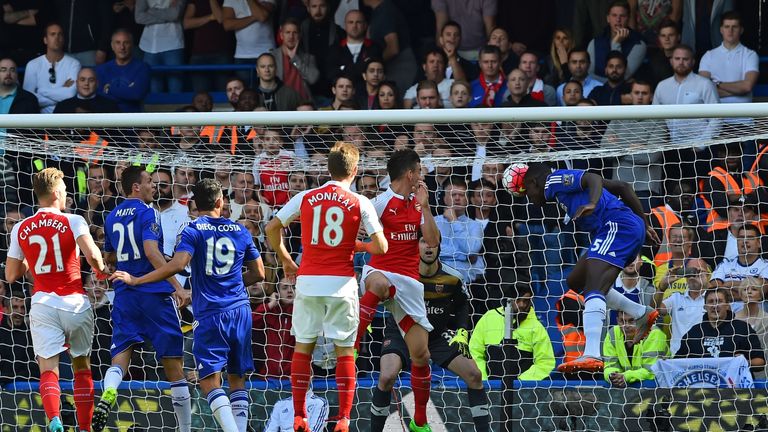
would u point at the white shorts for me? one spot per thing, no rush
(334, 318)
(408, 302)
(55, 330)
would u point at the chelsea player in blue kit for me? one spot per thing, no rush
(133, 243)
(217, 249)
(611, 212)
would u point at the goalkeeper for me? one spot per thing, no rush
(445, 298)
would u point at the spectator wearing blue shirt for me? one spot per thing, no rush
(461, 237)
(125, 79)
(578, 65)
(489, 88)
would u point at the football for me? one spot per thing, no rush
(513, 178)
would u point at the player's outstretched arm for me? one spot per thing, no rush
(274, 231)
(157, 259)
(92, 253)
(377, 246)
(177, 264)
(255, 272)
(624, 191)
(14, 269)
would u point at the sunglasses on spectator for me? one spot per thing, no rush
(52, 77)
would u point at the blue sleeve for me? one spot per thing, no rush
(186, 241)
(150, 226)
(107, 239)
(566, 181)
(251, 252)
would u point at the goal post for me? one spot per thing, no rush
(667, 153)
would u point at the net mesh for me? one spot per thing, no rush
(669, 163)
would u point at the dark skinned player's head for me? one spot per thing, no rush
(534, 181)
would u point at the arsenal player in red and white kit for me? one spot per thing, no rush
(48, 245)
(394, 276)
(326, 302)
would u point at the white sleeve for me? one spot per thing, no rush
(764, 269)
(318, 412)
(705, 64)
(14, 250)
(752, 63)
(78, 225)
(370, 218)
(255, 171)
(670, 302)
(719, 273)
(380, 203)
(291, 209)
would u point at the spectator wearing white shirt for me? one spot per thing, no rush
(434, 65)
(251, 22)
(733, 67)
(686, 308)
(281, 419)
(52, 76)
(687, 87)
(730, 273)
(162, 40)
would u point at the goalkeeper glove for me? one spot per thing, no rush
(461, 340)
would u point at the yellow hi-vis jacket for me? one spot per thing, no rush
(644, 354)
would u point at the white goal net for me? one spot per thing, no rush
(698, 171)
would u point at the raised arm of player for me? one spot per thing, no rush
(255, 272)
(428, 228)
(177, 264)
(377, 246)
(157, 259)
(274, 231)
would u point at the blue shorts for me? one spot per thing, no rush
(618, 241)
(224, 339)
(139, 316)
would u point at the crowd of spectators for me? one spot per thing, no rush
(707, 204)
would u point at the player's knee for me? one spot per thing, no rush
(420, 356)
(473, 377)
(387, 380)
(380, 289)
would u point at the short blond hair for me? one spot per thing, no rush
(342, 160)
(46, 181)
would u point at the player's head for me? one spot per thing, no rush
(137, 183)
(534, 181)
(405, 165)
(50, 189)
(342, 161)
(427, 254)
(208, 195)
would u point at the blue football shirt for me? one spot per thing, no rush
(564, 186)
(219, 247)
(126, 229)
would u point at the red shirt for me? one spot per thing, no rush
(331, 216)
(401, 219)
(47, 240)
(271, 172)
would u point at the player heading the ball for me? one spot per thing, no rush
(216, 248)
(611, 212)
(326, 300)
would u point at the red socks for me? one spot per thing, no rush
(83, 395)
(345, 383)
(421, 378)
(50, 392)
(368, 304)
(301, 373)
